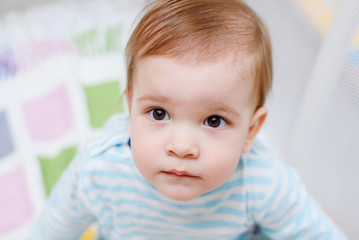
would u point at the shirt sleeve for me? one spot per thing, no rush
(66, 214)
(289, 212)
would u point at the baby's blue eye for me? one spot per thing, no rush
(159, 114)
(215, 121)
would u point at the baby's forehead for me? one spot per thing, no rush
(224, 67)
(238, 65)
(238, 61)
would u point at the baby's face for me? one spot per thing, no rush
(190, 122)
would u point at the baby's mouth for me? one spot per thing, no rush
(179, 174)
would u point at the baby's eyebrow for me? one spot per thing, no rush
(212, 106)
(155, 98)
(225, 108)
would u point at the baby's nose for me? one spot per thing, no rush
(183, 144)
(182, 150)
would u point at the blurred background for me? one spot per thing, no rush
(62, 74)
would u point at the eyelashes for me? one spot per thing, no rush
(213, 121)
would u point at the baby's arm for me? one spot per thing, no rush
(65, 215)
(290, 213)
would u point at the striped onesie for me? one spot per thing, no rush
(263, 199)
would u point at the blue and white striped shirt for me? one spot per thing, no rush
(103, 186)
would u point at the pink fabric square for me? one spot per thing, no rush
(15, 205)
(48, 117)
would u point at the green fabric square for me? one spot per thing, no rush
(99, 41)
(87, 43)
(113, 39)
(52, 168)
(103, 101)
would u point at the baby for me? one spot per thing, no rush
(185, 162)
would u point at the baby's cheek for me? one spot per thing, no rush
(231, 156)
(144, 154)
(221, 167)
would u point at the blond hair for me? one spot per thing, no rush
(208, 28)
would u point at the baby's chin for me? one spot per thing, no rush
(181, 195)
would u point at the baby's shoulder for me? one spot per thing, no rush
(262, 155)
(107, 160)
(113, 134)
(108, 149)
(264, 169)
(264, 164)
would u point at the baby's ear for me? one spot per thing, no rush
(257, 121)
